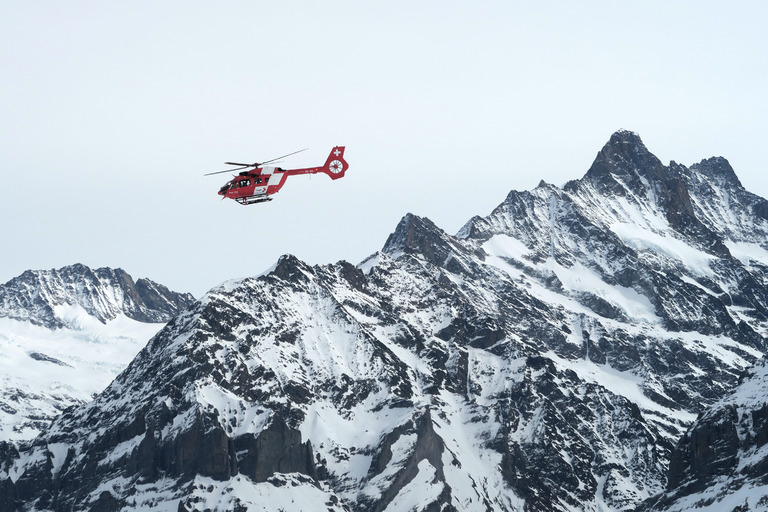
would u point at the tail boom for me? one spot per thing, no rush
(335, 167)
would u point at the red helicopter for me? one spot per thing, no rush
(261, 182)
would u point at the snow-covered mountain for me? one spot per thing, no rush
(549, 357)
(64, 336)
(57, 298)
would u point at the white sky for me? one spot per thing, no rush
(111, 112)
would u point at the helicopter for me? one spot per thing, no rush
(260, 182)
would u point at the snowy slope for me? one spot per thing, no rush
(44, 371)
(549, 357)
(64, 336)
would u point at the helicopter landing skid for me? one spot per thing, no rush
(252, 199)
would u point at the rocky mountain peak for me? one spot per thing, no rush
(410, 235)
(624, 166)
(624, 162)
(415, 235)
(420, 237)
(47, 297)
(56, 325)
(675, 194)
(290, 268)
(717, 168)
(622, 140)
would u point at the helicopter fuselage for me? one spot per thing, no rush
(260, 183)
(251, 184)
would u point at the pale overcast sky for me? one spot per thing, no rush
(111, 112)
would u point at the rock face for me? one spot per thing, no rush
(549, 357)
(721, 463)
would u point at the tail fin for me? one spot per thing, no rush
(336, 166)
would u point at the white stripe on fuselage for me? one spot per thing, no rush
(266, 174)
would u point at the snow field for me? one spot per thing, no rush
(49, 370)
(283, 493)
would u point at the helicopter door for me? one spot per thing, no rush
(263, 181)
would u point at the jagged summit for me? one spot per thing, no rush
(624, 162)
(626, 166)
(626, 142)
(624, 152)
(289, 267)
(718, 168)
(47, 297)
(698, 205)
(420, 237)
(413, 234)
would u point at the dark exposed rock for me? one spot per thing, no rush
(277, 449)
(289, 268)
(8, 496)
(707, 450)
(419, 236)
(718, 168)
(428, 446)
(720, 458)
(37, 356)
(624, 156)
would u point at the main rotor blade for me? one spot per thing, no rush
(227, 170)
(278, 158)
(245, 166)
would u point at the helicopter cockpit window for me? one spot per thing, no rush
(244, 183)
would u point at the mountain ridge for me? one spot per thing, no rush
(549, 357)
(103, 293)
